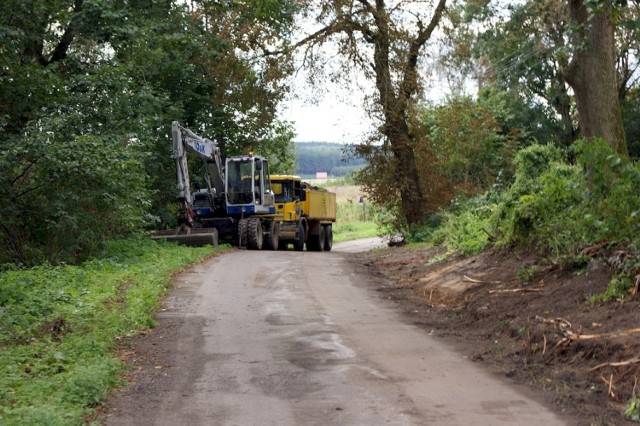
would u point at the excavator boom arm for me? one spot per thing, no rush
(184, 138)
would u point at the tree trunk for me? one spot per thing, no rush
(412, 198)
(592, 75)
(395, 107)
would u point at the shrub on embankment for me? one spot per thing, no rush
(557, 207)
(59, 326)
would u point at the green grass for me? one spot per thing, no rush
(345, 231)
(59, 327)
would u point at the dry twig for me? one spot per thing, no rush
(560, 322)
(517, 290)
(468, 279)
(577, 336)
(610, 384)
(473, 280)
(617, 364)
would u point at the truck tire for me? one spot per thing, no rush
(321, 239)
(242, 233)
(298, 245)
(328, 237)
(255, 237)
(316, 242)
(273, 238)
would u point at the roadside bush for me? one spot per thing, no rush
(554, 207)
(424, 231)
(560, 208)
(545, 217)
(613, 200)
(466, 228)
(62, 195)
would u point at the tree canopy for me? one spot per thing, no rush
(88, 90)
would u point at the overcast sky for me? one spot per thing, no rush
(336, 115)
(336, 118)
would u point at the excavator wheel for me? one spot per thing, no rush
(242, 233)
(272, 240)
(255, 237)
(328, 237)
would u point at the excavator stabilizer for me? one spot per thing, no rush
(194, 237)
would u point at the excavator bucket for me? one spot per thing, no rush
(194, 237)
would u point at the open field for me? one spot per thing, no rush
(354, 219)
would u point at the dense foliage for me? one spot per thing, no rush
(461, 148)
(88, 90)
(558, 208)
(61, 324)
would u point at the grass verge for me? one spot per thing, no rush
(59, 326)
(345, 231)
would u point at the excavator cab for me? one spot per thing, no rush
(248, 186)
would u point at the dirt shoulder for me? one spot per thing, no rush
(525, 318)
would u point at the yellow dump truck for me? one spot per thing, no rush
(307, 213)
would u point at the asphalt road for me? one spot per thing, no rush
(298, 338)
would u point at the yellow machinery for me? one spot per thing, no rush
(307, 214)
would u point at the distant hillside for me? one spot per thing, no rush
(333, 158)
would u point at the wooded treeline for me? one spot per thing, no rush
(332, 158)
(88, 89)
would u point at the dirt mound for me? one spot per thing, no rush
(526, 318)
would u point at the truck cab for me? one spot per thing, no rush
(288, 194)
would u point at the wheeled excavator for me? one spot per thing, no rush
(236, 205)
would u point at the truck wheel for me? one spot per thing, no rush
(328, 237)
(242, 233)
(272, 240)
(321, 239)
(255, 237)
(316, 242)
(298, 245)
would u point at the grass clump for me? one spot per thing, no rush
(60, 324)
(632, 409)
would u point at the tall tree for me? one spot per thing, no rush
(385, 40)
(592, 72)
(518, 49)
(527, 48)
